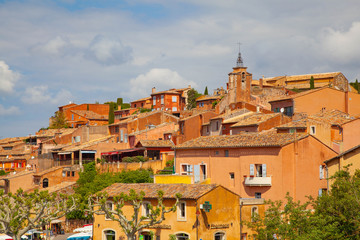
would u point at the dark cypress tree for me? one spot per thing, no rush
(312, 84)
(206, 91)
(111, 113)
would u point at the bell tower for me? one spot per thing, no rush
(239, 82)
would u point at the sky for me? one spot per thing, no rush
(87, 51)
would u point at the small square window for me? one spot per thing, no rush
(312, 130)
(216, 152)
(226, 153)
(257, 195)
(232, 175)
(73, 173)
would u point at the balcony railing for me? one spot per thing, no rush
(257, 181)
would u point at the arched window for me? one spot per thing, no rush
(145, 235)
(109, 235)
(219, 236)
(182, 236)
(45, 183)
(254, 213)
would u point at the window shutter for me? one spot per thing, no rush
(121, 135)
(190, 168)
(321, 170)
(320, 192)
(252, 170)
(264, 170)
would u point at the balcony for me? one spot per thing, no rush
(257, 181)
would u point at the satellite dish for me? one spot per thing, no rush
(282, 110)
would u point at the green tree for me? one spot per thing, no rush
(131, 225)
(312, 83)
(20, 211)
(206, 91)
(58, 121)
(356, 85)
(192, 96)
(111, 113)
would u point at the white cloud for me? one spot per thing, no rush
(161, 78)
(9, 111)
(54, 46)
(342, 46)
(41, 95)
(8, 78)
(108, 51)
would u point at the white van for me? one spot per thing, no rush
(5, 237)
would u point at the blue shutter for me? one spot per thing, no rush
(121, 136)
(320, 192)
(321, 170)
(264, 170)
(196, 173)
(252, 169)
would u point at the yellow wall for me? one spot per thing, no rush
(225, 212)
(173, 179)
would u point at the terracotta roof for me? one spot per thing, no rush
(90, 115)
(17, 174)
(52, 132)
(142, 99)
(257, 83)
(156, 143)
(53, 169)
(231, 114)
(63, 187)
(266, 139)
(255, 119)
(15, 152)
(187, 191)
(343, 153)
(206, 97)
(149, 129)
(11, 140)
(237, 118)
(298, 94)
(305, 76)
(85, 146)
(301, 123)
(334, 117)
(125, 109)
(164, 92)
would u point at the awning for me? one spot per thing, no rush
(56, 221)
(88, 151)
(122, 151)
(80, 236)
(109, 153)
(64, 153)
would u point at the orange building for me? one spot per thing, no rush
(206, 102)
(313, 101)
(299, 126)
(258, 122)
(85, 114)
(203, 212)
(191, 127)
(336, 129)
(334, 79)
(122, 114)
(261, 165)
(142, 103)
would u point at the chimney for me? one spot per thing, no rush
(153, 90)
(261, 82)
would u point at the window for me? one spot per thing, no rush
(126, 138)
(174, 109)
(322, 171)
(232, 175)
(109, 206)
(292, 130)
(116, 129)
(254, 213)
(45, 183)
(182, 236)
(207, 129)
(186, 169)
(257, 195)
(121, 135)
(226, 153)
(219, 236)
(217, 126)
(146, 209)
(162, 99)
(174, 99)
(312, 130)
(68, 174)
(135, 105)
(72, 116)
(154, 100)
(216, 152)
(109, 235)
(73, 173)
(258, 170)
(181, 210)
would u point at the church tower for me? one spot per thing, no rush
(239, 82)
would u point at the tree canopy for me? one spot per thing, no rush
(131, 225)
(312, 83)
(192, 96)
(20, 211)
(58, 121)
(206, 91)
(334, 215)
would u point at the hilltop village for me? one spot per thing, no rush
(225, 152)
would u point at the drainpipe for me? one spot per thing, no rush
(174, 156)
(346, 102)
(241, 205)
